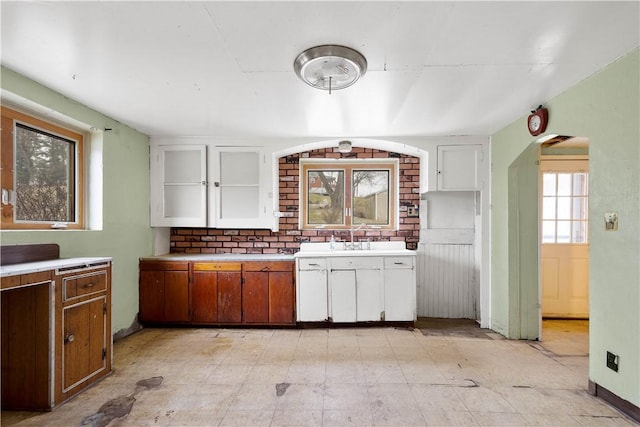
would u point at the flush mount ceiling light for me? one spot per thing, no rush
(330, 67)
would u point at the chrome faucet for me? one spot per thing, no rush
(352, 244)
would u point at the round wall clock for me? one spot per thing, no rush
(537, 121)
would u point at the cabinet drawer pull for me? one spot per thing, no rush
(399, 263)
(264, 269)
(69, 338)
(89, 285)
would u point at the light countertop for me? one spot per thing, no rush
(61, 263)
(219, 257)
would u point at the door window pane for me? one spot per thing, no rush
(549, 208)
(564, 232)
(564, 208)
(548, 231)
(564, 184)
(579, 232)
(549, 184)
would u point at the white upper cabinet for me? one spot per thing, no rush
(178, 185)
(458, 167)
(237, 190)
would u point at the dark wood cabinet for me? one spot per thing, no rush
(26, 341)
(56, 340)
(268, 292)
(217, 293)
(164, 292)
(84, 330)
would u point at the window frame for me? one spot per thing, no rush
(10, 118)
(348, 166)
(569, 165)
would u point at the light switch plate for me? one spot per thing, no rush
(611, 221)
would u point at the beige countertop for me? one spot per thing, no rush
(219, 257)
(54, 264)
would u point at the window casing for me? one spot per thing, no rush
(42, 174)
(340, 194)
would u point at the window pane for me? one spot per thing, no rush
(370, 197)
(564, 207)
(579, 232)
(549, 184)
(564, 232)
(580, 208)
(549, 208)
(580, 181)
(548, 231)
(325, 200)
(564, 184)
(45, 179)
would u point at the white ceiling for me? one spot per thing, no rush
(225, 69)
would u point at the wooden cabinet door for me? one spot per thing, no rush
(281, 308)
(255, 297)
(176, 296)
(204, 297)
(151, 298)
(229, 296)
(84, 345)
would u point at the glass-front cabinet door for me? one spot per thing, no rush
(179, 186)
(238, 200)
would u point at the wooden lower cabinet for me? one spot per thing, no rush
(56, 334)
(84, 331)
(164, 292)
(216, 293)
(27, 344)
(268, 293)
(219, 293)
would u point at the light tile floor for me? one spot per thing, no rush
(340, 377)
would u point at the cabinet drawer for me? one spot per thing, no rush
(80, 285)
(398, 262)
(268, 266)
(217, 266)
(361, 262)
(164, 265)
(312, 264)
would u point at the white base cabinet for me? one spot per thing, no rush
(400, 290)
(349, 289)
(312, 272)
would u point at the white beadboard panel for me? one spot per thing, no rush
(446, 281)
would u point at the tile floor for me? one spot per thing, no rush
(340, 377)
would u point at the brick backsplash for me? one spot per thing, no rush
(288, 239)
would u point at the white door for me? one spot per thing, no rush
(565, 244)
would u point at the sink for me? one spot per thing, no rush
(340, 249)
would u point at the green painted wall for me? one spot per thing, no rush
(125, 234)
(605, 108)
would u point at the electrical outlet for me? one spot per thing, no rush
(612, 361)
(412, 211)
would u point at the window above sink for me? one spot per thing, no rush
(343, 194)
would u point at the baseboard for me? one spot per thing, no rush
(614, 400)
